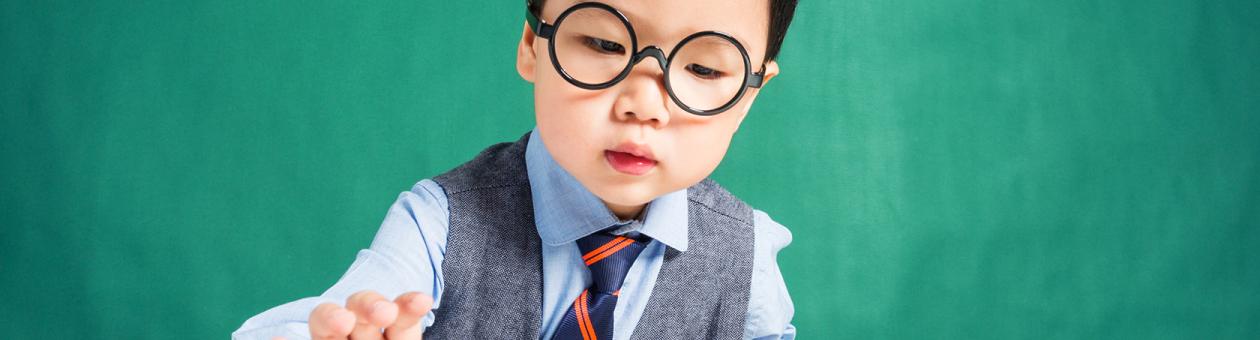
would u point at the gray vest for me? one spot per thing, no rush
(493, 264)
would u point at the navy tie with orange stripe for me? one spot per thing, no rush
(608, 257)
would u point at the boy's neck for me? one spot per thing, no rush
(625, 212)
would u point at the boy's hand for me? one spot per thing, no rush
(366, 313)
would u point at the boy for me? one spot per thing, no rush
(600, 223)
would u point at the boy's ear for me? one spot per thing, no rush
(772, 70)
(525, 56)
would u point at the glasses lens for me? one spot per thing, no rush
(592, 45)
(707, 72)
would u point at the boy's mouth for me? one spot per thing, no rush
(631, 159)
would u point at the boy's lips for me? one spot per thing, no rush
(631, 159)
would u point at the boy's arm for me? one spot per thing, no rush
(405, 256)
(770, 307)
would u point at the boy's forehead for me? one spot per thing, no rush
(664, 22)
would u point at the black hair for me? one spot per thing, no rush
(781, 12)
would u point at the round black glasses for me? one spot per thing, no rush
(593, 46)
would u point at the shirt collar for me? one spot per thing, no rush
(565, 211)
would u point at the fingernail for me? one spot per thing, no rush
(377, 306)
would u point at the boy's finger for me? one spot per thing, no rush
(412, 307)
(373, 312)
(329, 321)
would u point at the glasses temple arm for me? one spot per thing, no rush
(756, 79)
(541, 28)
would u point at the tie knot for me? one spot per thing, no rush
(609, 257)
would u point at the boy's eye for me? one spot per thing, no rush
(703, 72)
(604, 46)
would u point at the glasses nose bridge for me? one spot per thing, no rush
(651, 51)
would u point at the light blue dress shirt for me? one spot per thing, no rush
(407, 255)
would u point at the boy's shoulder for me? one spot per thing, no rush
(499, 165)
(711, 195)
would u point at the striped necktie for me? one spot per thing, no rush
(608, 257)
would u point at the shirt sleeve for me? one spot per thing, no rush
(406, 255)
(770, 307)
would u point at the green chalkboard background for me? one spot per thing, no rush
(949, 168)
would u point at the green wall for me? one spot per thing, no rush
(949, 168)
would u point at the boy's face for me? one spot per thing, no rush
(585, 130)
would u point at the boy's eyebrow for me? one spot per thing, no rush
(568, 4)
(639, 28)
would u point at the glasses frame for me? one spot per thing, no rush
(548, 31)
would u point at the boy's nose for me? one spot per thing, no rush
(642, 94)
